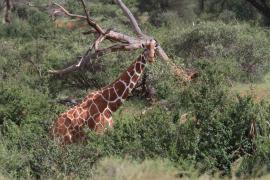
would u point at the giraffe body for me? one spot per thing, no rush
(96, 109)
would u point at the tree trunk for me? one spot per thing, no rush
(7, 18)
(202, 5)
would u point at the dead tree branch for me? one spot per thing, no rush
(122, 41)
(130, 16)
(68, 13)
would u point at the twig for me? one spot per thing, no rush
(90, 21)
(35, 66)
(68, 13)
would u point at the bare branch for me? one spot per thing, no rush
(130, 16)
(73, 67)
(90, 21)
(162, 53)
(68, 13)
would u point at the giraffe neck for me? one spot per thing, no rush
(116, 93)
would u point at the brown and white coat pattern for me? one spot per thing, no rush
(96, 109)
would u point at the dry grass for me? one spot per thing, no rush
(114, 168)
(260, 91)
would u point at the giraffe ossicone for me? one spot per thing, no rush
(96, 109)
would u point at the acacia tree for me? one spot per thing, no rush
(122, 42)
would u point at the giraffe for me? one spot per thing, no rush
(96, 109)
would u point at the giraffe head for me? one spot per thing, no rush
(150, 50)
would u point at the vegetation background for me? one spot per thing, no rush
(226, 129)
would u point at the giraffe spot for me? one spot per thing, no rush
(113, 94)
(138, 68)
(71, 111)
(75, 137)
(106, 94)
(101, 103)
(118, 102)
(93, 109)
(67, 139)
(84, 115)
(126, 78)
(91, 95)
(119, 88)
(114, 106)
(81, 125)
(132, 72)
(77, 128)
(60, 130)
(75, 114)
(107, 113)
(71, 129)
(84, 104)
(135, 78)
(97, 118)
(91, 123)
(125, 95)
(67, 122)
(79, 109)
(61, 120)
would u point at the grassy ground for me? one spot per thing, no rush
(260, 91)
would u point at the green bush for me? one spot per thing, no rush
(15, 29)
(223, 123)
(242, 45)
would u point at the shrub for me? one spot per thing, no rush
(224, 124)
(242, 44)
